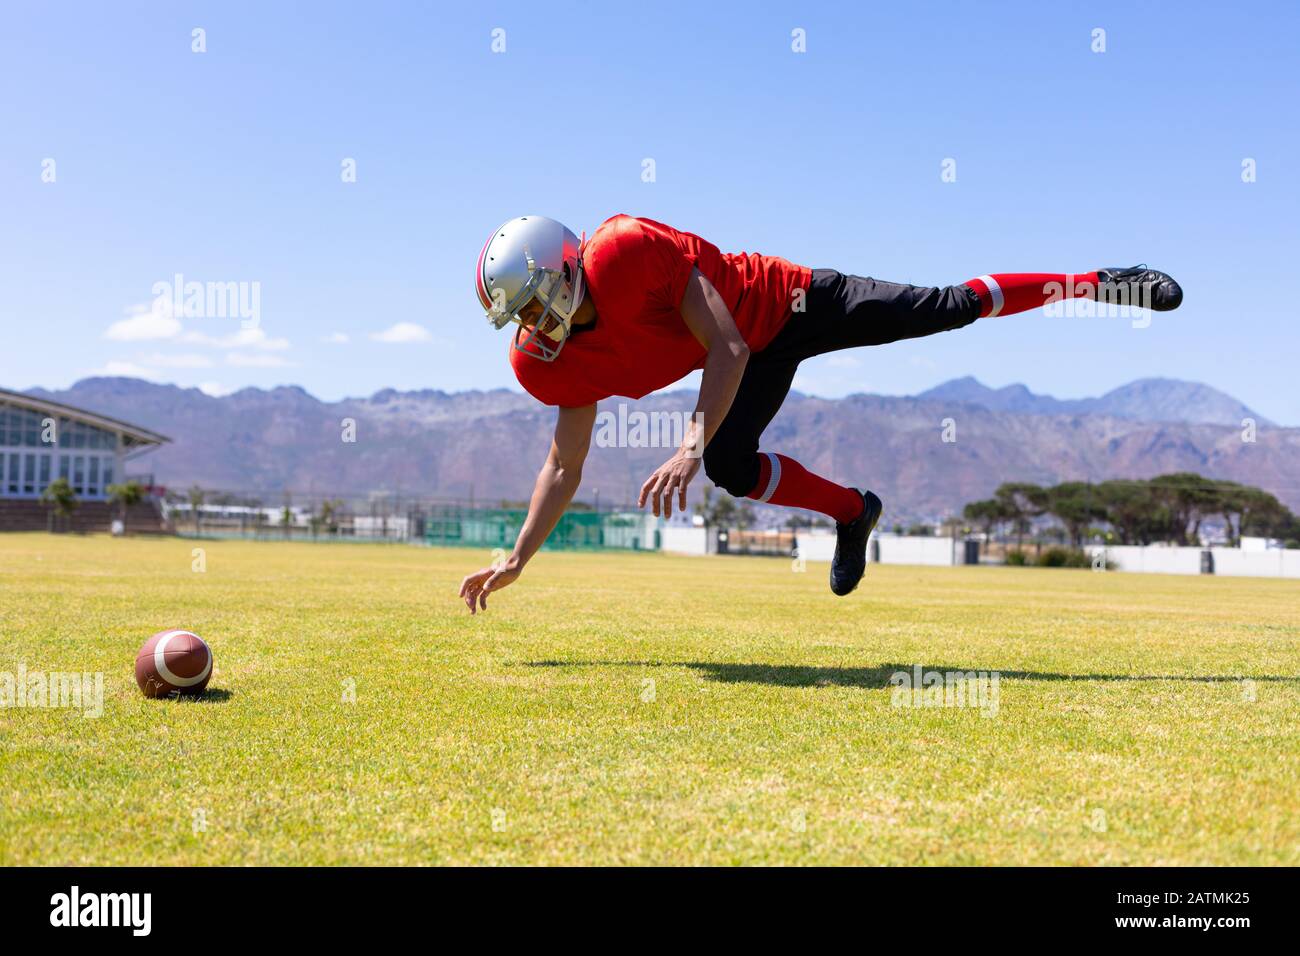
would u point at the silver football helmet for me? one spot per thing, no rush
(526, 258)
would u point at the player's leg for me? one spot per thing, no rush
(845, 311)
(1007, 293)
(733, 462)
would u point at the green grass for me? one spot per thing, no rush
(1124, 733)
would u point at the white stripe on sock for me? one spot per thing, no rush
(773, 479)
(995, 292)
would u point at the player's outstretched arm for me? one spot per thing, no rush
(557, 483)
(710, 321)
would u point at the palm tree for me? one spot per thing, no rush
(125, 495)
(63, 501)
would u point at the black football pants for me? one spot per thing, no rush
(841, 312)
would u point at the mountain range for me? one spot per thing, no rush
(1147, 399)
(488, 444)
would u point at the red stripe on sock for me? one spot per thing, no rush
(797, 487)
(1022, 291)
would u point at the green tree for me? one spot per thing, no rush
(62, 501)
(1239, 504)
(329, 509)
(286, 514)
(716, 507)
(1188, 498)
(1022, 502)
(794, 521)
(1132, 510)
(987, 515)
(1075, 506)
(951, 527)
(1269, 518)
(196, 499)
(704, 507)
(125, 495)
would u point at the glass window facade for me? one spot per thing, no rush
(33, 452)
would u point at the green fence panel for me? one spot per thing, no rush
(452, 526)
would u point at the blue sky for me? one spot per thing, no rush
(225, 166)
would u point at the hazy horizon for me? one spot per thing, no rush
(682, 386)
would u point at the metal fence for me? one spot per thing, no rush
(296, 516)
(319, 516)
(461, 526)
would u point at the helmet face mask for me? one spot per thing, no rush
(529, 258)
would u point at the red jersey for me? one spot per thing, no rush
(636, 274)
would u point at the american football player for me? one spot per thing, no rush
(640, 304)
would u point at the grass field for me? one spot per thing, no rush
(643, 709)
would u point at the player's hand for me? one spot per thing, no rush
(672, 476)
(474, 589)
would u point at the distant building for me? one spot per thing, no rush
(42, 440)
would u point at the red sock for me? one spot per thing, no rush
(1005, 293)
(783, 481)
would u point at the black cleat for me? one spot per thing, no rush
(850, 561)
(1139, 286)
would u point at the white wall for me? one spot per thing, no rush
(1228, 562)
(395, 526)
(815, 545)
(1150, 559)
(904, 549)
(1275, 563)
(639, 527)
(681, 539)
(894, 549)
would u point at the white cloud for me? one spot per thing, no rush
(242, 339)
(336, 338)
(402, 333)
(255, 360)
(839, 360)
(155, 322)
(188, 360)
(215, 389)
(144, 323)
